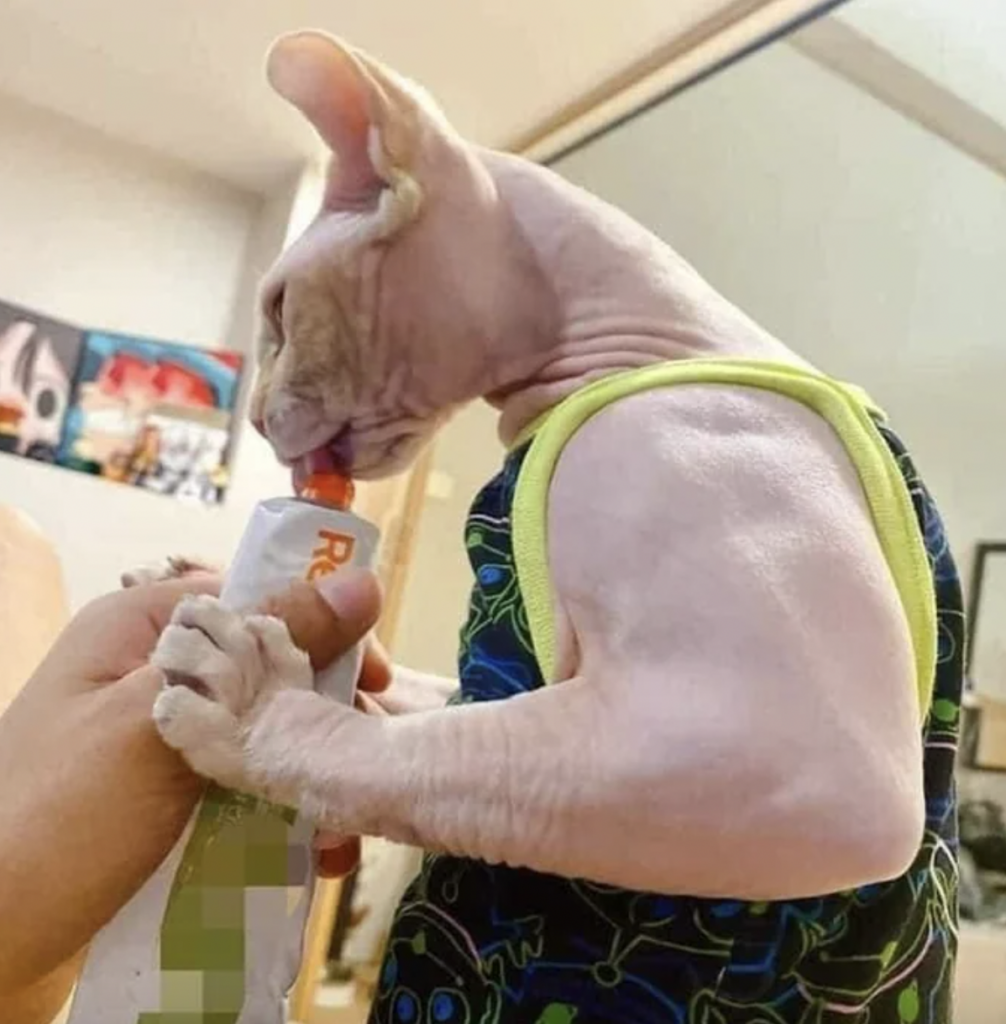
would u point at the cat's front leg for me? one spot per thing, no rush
(222, 670)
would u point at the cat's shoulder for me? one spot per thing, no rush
(716, 436)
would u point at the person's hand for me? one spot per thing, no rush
(92, 799)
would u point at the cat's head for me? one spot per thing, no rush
(413, 290)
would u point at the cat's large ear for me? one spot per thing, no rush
(368, 117)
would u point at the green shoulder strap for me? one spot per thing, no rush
(847, 409)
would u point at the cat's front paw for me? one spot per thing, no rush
(221, 670)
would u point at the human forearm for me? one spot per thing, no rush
(39, 1003)
(85, 834)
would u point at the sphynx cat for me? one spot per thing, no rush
(714, 733)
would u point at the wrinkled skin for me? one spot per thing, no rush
(696, 648)
(437, 273)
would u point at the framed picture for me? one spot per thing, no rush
(983, 741)
(153, 414)
(39, 358)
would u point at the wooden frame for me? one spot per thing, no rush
(979, 714)
(876, 71)
(731, 32)
(982, 551)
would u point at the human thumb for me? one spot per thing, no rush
(327, 619)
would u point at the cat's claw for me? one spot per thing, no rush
(221, 670)
(171, 568)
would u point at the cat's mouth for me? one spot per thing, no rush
(334, 456)
(353, 453)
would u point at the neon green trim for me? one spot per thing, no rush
(847, 409)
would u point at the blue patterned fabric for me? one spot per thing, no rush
(480, 944)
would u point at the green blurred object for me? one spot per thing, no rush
(238, 843)
(81, 465)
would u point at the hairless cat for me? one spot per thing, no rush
(735, 730)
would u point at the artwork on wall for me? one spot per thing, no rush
(147, 413)
(153, 414)
(38, 362)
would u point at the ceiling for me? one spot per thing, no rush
(185, 78)
(958, 43)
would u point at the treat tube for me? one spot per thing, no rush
(216, 934)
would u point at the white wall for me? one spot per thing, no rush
(105, 235)
(870, 246)
(108, 235)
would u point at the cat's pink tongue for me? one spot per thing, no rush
(320, 462)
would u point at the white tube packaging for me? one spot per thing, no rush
(215, 935)
(290, 539)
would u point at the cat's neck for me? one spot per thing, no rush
(626, 300)
(523, 402)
